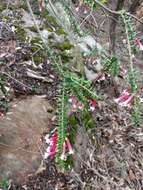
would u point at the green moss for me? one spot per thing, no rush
(61, 31)
(20, 32)
(64, 46)
(37, 59)
(2, 7)
(49, 21)
(5, 19)
(36, 40)
(40, 53)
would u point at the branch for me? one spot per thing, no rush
(116, 12)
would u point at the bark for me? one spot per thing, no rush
(134, 5)
(112, 29)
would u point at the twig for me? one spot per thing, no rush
(16, 80)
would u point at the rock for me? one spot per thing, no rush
(90, 74)
(28, 20)
(53, 36)
(57, 10)
(88, 43)
(21, 130)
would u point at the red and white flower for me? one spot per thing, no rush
(75, 104)
(139, 44)
(63, 155)
(52, 147)
(69, 147)
(125, 99)
(92, 104)
(52, 142)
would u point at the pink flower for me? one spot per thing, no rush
(1, 114)
(125, 99)
(73, 100)
(75, 104)
(138, 42)
(101, 78)
(69, 147)
(80, 106)
(51, 150)
(123, 71)
(92, 105)
(63, 156)
(77, 9)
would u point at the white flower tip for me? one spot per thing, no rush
(77, 9)
(80, 107)
(70, 100)
(71, 152)
(92, 108)
(133, 56)
(124, 41)
(74, 106)
(141, 47)
(63, 157)
(46, 155)
(116, 100)
(47, 139)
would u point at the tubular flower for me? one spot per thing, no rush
(63, 156)
(69, 147)
(52, 147)
(73, 100)
(139, 44)
(52, 142)
(125, 99)
(75, 104)
(92, 105)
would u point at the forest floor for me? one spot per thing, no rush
(28, 98)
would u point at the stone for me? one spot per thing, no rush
(20, 140)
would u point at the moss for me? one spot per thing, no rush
(20, 32)
(48, 29)
(38, 59)
(64, 46)
(61, 31)
(40, 53)
(49, 21)
(44, 14)
(2, 7)
(36, 40)
(39, 56)
(5, 19)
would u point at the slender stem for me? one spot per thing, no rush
(128, 43)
